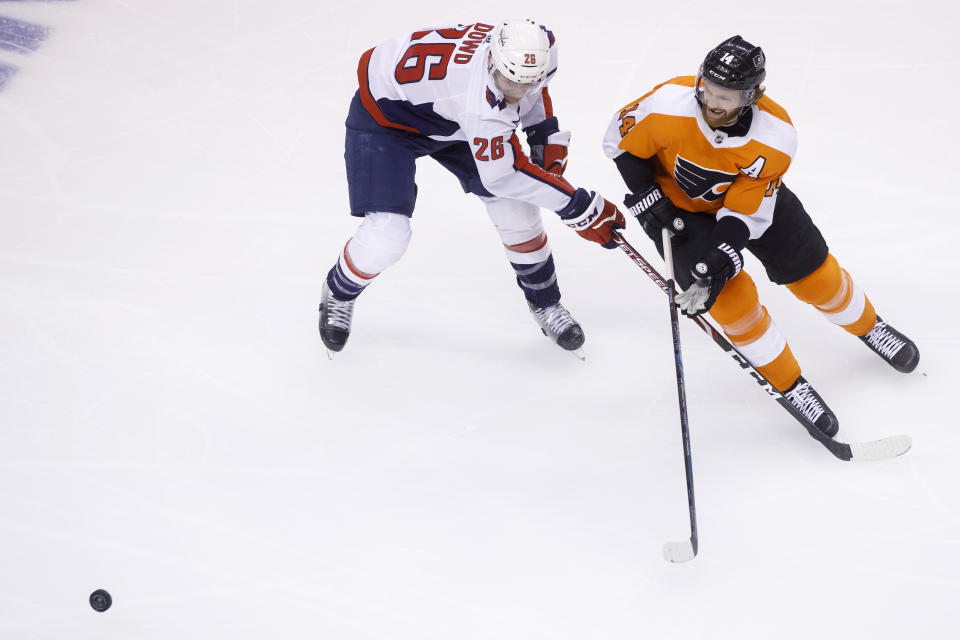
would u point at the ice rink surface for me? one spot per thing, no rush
(172, 194)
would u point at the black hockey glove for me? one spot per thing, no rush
(654, 211)
(717, 265)
(710, 273)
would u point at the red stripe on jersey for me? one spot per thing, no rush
(522, 164)
(529, 246)
(547, 103)
(367, 98)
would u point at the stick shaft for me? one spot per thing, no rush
(681, 389)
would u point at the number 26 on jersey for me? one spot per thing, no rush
(493, 147)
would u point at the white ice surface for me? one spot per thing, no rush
(172, 193)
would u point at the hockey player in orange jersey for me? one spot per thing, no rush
(705, 156)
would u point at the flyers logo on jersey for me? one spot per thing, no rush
(700, 182)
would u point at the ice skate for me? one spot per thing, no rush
(809, 403)
(557, 324)
(894, 347)
(335, 318)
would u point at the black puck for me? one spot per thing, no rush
(100, 600)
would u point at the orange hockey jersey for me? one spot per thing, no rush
(702, 169)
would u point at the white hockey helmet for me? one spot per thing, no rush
(520, 51)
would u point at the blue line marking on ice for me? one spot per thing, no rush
(6, 70)
(16, 35)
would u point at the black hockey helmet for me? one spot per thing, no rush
(734, 64)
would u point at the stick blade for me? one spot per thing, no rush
(881, 449)
(677, 552)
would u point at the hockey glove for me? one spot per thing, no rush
(593, 217)
(552, 156)
(710, 273)
(654, 211)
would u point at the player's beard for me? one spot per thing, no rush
(716, 118)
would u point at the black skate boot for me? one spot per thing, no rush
(558, 325)
(894, 347)
(335, 318)
(809, 403)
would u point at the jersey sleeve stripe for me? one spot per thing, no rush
(366, 97)
(522, 164)
(547, 104)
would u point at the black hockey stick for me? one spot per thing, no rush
(686, 550)
(857, 451)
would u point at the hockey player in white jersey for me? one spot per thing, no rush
(458, 95)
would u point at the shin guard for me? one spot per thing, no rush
(834, 293)
(749, 327)
(380, 241)
(525, 242)
(533, 263)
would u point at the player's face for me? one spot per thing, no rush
(721, 107)
(513, 92)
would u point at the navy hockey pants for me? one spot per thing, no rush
(381, 164)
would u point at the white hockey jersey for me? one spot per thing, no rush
(436, 83)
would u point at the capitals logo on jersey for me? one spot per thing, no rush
(700, 182)
(494, 101)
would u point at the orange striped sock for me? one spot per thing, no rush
(834, 293)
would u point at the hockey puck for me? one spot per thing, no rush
(100, 600)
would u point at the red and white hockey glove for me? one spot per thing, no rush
(552, 156)
(593, 217)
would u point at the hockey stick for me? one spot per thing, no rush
(686, 550)
(857, 451)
